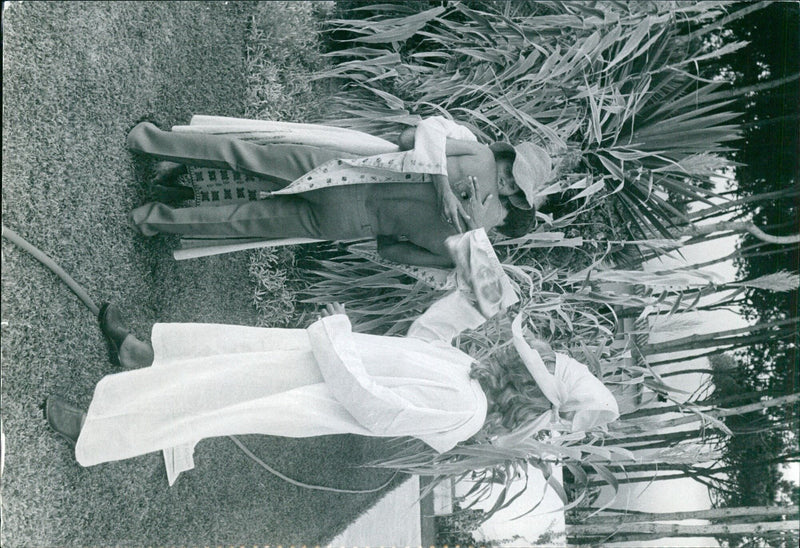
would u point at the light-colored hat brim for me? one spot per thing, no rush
(532, 169)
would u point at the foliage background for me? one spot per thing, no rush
(642, 91)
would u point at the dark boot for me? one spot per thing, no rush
(64, 418)
(113, 329)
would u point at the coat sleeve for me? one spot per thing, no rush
(430, 144)
(432, 411)
(587, 397)
(446, 318)
(429, 156)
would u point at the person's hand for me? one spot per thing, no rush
(477, 206)
(331, 309)
(452, 210)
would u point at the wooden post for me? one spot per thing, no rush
(713, 514)
(662, 530)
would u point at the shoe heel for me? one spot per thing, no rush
(65, 419)
(111, 345)
(113, 353)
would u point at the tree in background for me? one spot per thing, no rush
(768, 157)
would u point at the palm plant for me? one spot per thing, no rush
(621, 84)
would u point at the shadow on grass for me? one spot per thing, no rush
(75, 78)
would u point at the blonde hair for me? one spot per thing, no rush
(514, 398)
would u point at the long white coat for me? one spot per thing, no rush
(214, 380)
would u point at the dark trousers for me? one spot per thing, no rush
(336, 213)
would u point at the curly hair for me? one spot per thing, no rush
(513, 396)
(517, 222)
(514, 400)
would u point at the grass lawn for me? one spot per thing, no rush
(75, 78)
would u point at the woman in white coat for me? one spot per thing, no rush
(213, 380)
(207, 380)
